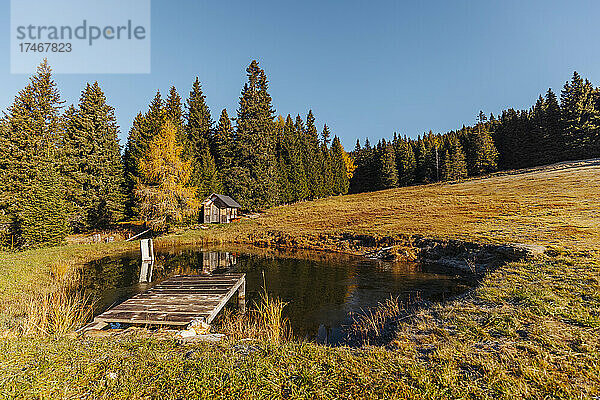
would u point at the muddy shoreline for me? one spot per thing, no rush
(453, 255)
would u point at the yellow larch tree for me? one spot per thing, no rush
(163, 193)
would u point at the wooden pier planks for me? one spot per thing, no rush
(179, 300)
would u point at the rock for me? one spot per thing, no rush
(186, 333)
(195, 328)
(199, 326)
(245, 350)
(210, 337)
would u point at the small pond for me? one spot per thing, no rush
(323, 290)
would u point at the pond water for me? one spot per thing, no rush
(323, 290)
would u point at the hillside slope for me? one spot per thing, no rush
(557, 204)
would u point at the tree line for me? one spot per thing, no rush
(548, 132)
(63, 171)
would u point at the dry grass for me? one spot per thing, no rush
(264, 321)
(530, 330)
(58, 308)
(57, 312)
(374, 322)
(269, 315)
(554, 205)
(34, 284)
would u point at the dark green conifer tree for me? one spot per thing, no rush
(388, 175)
(454, 164)
(33, 192)
(552, 128)
(292, 179)
(296, 142)
(431, 158)
(256, 181)
(420, 151)
(338, 167)
(359, 180)
(174, 113)
(327, 167)
(313, 158)
(223, 140)
(196, 144)
(579, 116)
(93, 165)
(405, 162)
(284, 185)
(536, 144)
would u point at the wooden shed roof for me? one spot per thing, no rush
(226, 200)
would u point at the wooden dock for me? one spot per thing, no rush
(179, 300)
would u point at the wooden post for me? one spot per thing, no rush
(147, 249)
(242, 296)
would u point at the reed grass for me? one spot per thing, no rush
(264, 321)
(59, 308)
(269, 315)
(378, 323)
(57, 312)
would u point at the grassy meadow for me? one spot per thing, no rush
(556, 205)
(530, 329)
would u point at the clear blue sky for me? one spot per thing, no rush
(365, 68)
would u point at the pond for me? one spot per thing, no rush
(324, 291)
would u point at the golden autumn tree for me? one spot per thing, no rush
(162, 191)
(349, 163)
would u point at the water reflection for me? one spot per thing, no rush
(146, 271)
(322, 290)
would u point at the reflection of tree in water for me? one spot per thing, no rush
(307, 286)
(109, 273)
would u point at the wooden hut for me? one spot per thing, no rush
(219, 208)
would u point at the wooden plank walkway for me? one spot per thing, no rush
(179, 300)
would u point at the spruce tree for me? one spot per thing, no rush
(198, 120)
(327, 163)
(284, 184)
(552, 128)
(131, 155)
(312, 158)
(301, 150)
(296, 147)
(256, 183)
(405, 162)
(93, 164)
(536, 143)
(196, 144)
(33, 192)
(357, 181)
(431, 158)
(579, 116)
(421, 170)
(338, 165)
(388, 176)
(224, 150)
(454, 164)
(174, 113)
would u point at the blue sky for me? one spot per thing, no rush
(365, 68)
